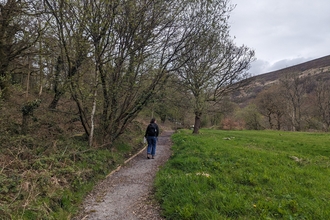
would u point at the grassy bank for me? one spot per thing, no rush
(42, 179)
(246, 175)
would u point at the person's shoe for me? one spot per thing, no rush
(148, 156)
(152, 157)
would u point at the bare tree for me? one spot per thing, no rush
(19, 31)
(323, 103)
(131, 45)
(270, 104)
(74, 49)
(214, 64)
(293, 92)
(145, 38)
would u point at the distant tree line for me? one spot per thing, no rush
(295, 102)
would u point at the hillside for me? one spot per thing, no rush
(314, 69)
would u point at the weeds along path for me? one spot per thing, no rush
(127, 193)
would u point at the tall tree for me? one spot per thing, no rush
(19, 31)
(144, 40)
(73, 51)
(131, 45)
(323, 103)
(294, 89)
(270, 104)
(214, 64)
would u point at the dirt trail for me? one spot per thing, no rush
(127, 193)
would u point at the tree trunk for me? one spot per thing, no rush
(197, 124)
(56, 99)
(25, 124)
(91, 136)
(40, 63)
(269, 115)
(57, 87)
(278, 119)
(28, 80)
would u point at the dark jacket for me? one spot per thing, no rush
(152, 130)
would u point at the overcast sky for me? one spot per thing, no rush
(282, 32)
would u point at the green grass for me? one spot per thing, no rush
(246, 175)
(47, 181)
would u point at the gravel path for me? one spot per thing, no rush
(128, 192)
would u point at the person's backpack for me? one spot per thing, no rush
(151, 130)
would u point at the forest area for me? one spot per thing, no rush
(80, 78)
(112, 58)
(291, 99)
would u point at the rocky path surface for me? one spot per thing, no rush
(128, 193)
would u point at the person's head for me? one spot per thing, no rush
(153, 120)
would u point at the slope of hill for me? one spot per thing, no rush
(314, 70)
(310, 67)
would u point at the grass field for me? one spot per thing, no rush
(246, 175)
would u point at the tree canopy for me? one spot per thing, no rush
(213, 65)
(113, 56)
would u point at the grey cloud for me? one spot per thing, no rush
(262, 66)
(287, 63)
(283, 33)
(258, 67)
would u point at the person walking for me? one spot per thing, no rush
(151, 135)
